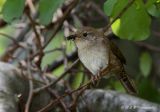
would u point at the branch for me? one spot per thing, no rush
(53, 103)
(30, 96)
(148, 46)
(111, 101)
(12, 83)
(19, 38)
(55, 95)
(55, 64)
(38, 90)
(11, 38)
(38, 39)
(59, 23)
(37, 36)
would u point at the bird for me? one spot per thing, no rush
(101, 56)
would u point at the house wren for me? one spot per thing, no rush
(101, 56)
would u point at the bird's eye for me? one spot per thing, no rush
(85, 34)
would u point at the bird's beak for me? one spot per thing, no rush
(71, 37)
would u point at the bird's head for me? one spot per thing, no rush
(85, 36)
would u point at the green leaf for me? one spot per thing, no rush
(154, 11)
(145, 63)
(150, 2)
(108, 6)
(55, 43)
(77, 80)
(154, 8)
(120, 4)
(134, 24)
(12, 9)
(1, 4)
(47, 9)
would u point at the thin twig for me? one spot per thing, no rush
(21, 36)
(45, 52)
(105, 29)
(65, 63)
(31, 6)
(61, 102)
(98, 9)
(58, 25)
(38, 39)
(54, 93)
(148, 46)
(56, 63)
(53, 103)
(61, 20)
(52, 50)
(56, 101)
(11, 38)
(58, 79)
(30, 96)
(74, 103)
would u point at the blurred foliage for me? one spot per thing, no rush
(134, 25)
(4, 41)
(47, 9)
(57, 42)
(153, 7)
(148, 91)
(12, 9)
(145, 63)
(1, 4)
(109, 6)
(77, 80)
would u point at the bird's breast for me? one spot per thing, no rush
(94, 58)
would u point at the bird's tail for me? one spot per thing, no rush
(127, 83)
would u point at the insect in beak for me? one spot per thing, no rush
(71, 37)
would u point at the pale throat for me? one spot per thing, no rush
(94, 55)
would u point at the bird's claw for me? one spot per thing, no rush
(95, 78)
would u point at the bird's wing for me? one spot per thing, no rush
(116, 51)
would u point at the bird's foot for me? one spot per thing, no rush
(95, 79)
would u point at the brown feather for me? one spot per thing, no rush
(116, 51)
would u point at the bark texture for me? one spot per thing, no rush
(111, 101)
